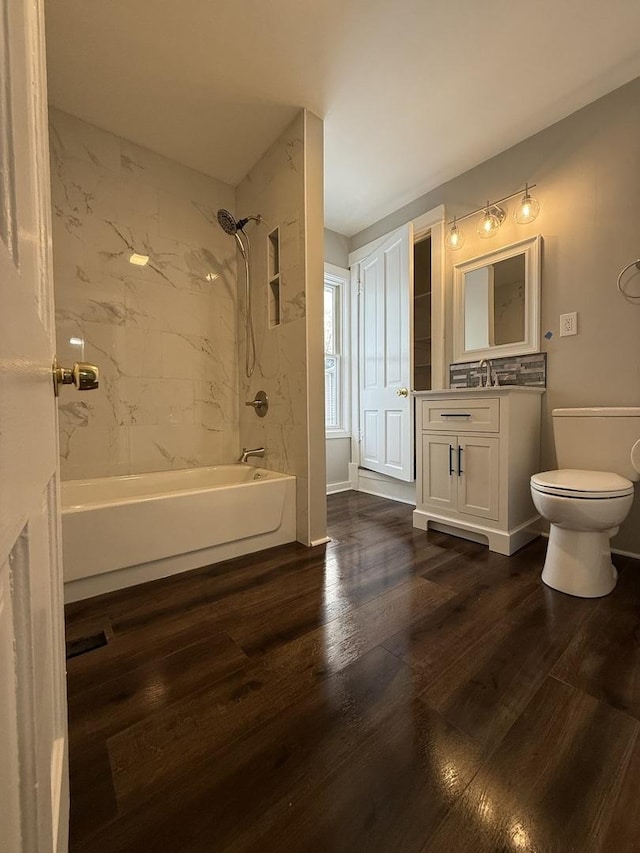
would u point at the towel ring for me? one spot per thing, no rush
(626, 295)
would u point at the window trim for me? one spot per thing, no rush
(339, 278)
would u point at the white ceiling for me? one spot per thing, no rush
(412, 92)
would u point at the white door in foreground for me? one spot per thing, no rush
(34, 791)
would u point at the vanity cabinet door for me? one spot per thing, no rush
(439, 472)
(477, 464)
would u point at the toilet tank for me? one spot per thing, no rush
(597, 439)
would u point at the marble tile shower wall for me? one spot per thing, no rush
(164, 335)
(275, 188)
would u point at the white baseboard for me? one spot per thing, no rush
(334, 488)
(625, 553)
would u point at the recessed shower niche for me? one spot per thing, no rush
(273, 261)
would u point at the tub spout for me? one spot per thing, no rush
(246, 453)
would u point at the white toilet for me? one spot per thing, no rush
(591, 494)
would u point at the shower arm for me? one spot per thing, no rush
(242, 222)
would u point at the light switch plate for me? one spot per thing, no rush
(568, 324)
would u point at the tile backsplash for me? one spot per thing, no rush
(511, 370)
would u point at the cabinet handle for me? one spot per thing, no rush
(450, 460)
(460, 471)
(455, 415)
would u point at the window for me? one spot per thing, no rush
(335, 338)
(332, 357)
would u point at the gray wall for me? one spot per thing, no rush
(336, 248)
(338, 458)
(587, 168)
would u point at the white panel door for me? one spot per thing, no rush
(33, 731)
(386, 407)
(371, 364)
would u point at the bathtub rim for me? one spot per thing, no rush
(268, 475)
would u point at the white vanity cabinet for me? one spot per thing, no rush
(475, 452)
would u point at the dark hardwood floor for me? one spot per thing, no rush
(391, 692)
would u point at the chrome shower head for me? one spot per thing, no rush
(227, 222)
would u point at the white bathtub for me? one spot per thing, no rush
(119, 531)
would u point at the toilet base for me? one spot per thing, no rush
(578, 562)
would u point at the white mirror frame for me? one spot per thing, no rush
(531, 249)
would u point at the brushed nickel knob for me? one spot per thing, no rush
(83, 375)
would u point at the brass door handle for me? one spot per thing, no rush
(402, 392)
(83, 375)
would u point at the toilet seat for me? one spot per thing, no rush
(579, 484)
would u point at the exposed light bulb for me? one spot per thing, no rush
(490, 221)
(455, 237)
(528, 208)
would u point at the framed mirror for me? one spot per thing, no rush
(496, 303)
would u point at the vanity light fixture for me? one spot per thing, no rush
(528, 208)
(139, 260)
(493, 215)
(491, 219)
(455, 237)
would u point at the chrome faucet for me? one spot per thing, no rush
(246, 453)
(487, 378)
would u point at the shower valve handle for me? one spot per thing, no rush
(260, 404)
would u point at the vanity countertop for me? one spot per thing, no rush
(490, 391)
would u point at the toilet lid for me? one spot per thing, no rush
(570, 482)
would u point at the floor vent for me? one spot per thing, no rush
(82, 645)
